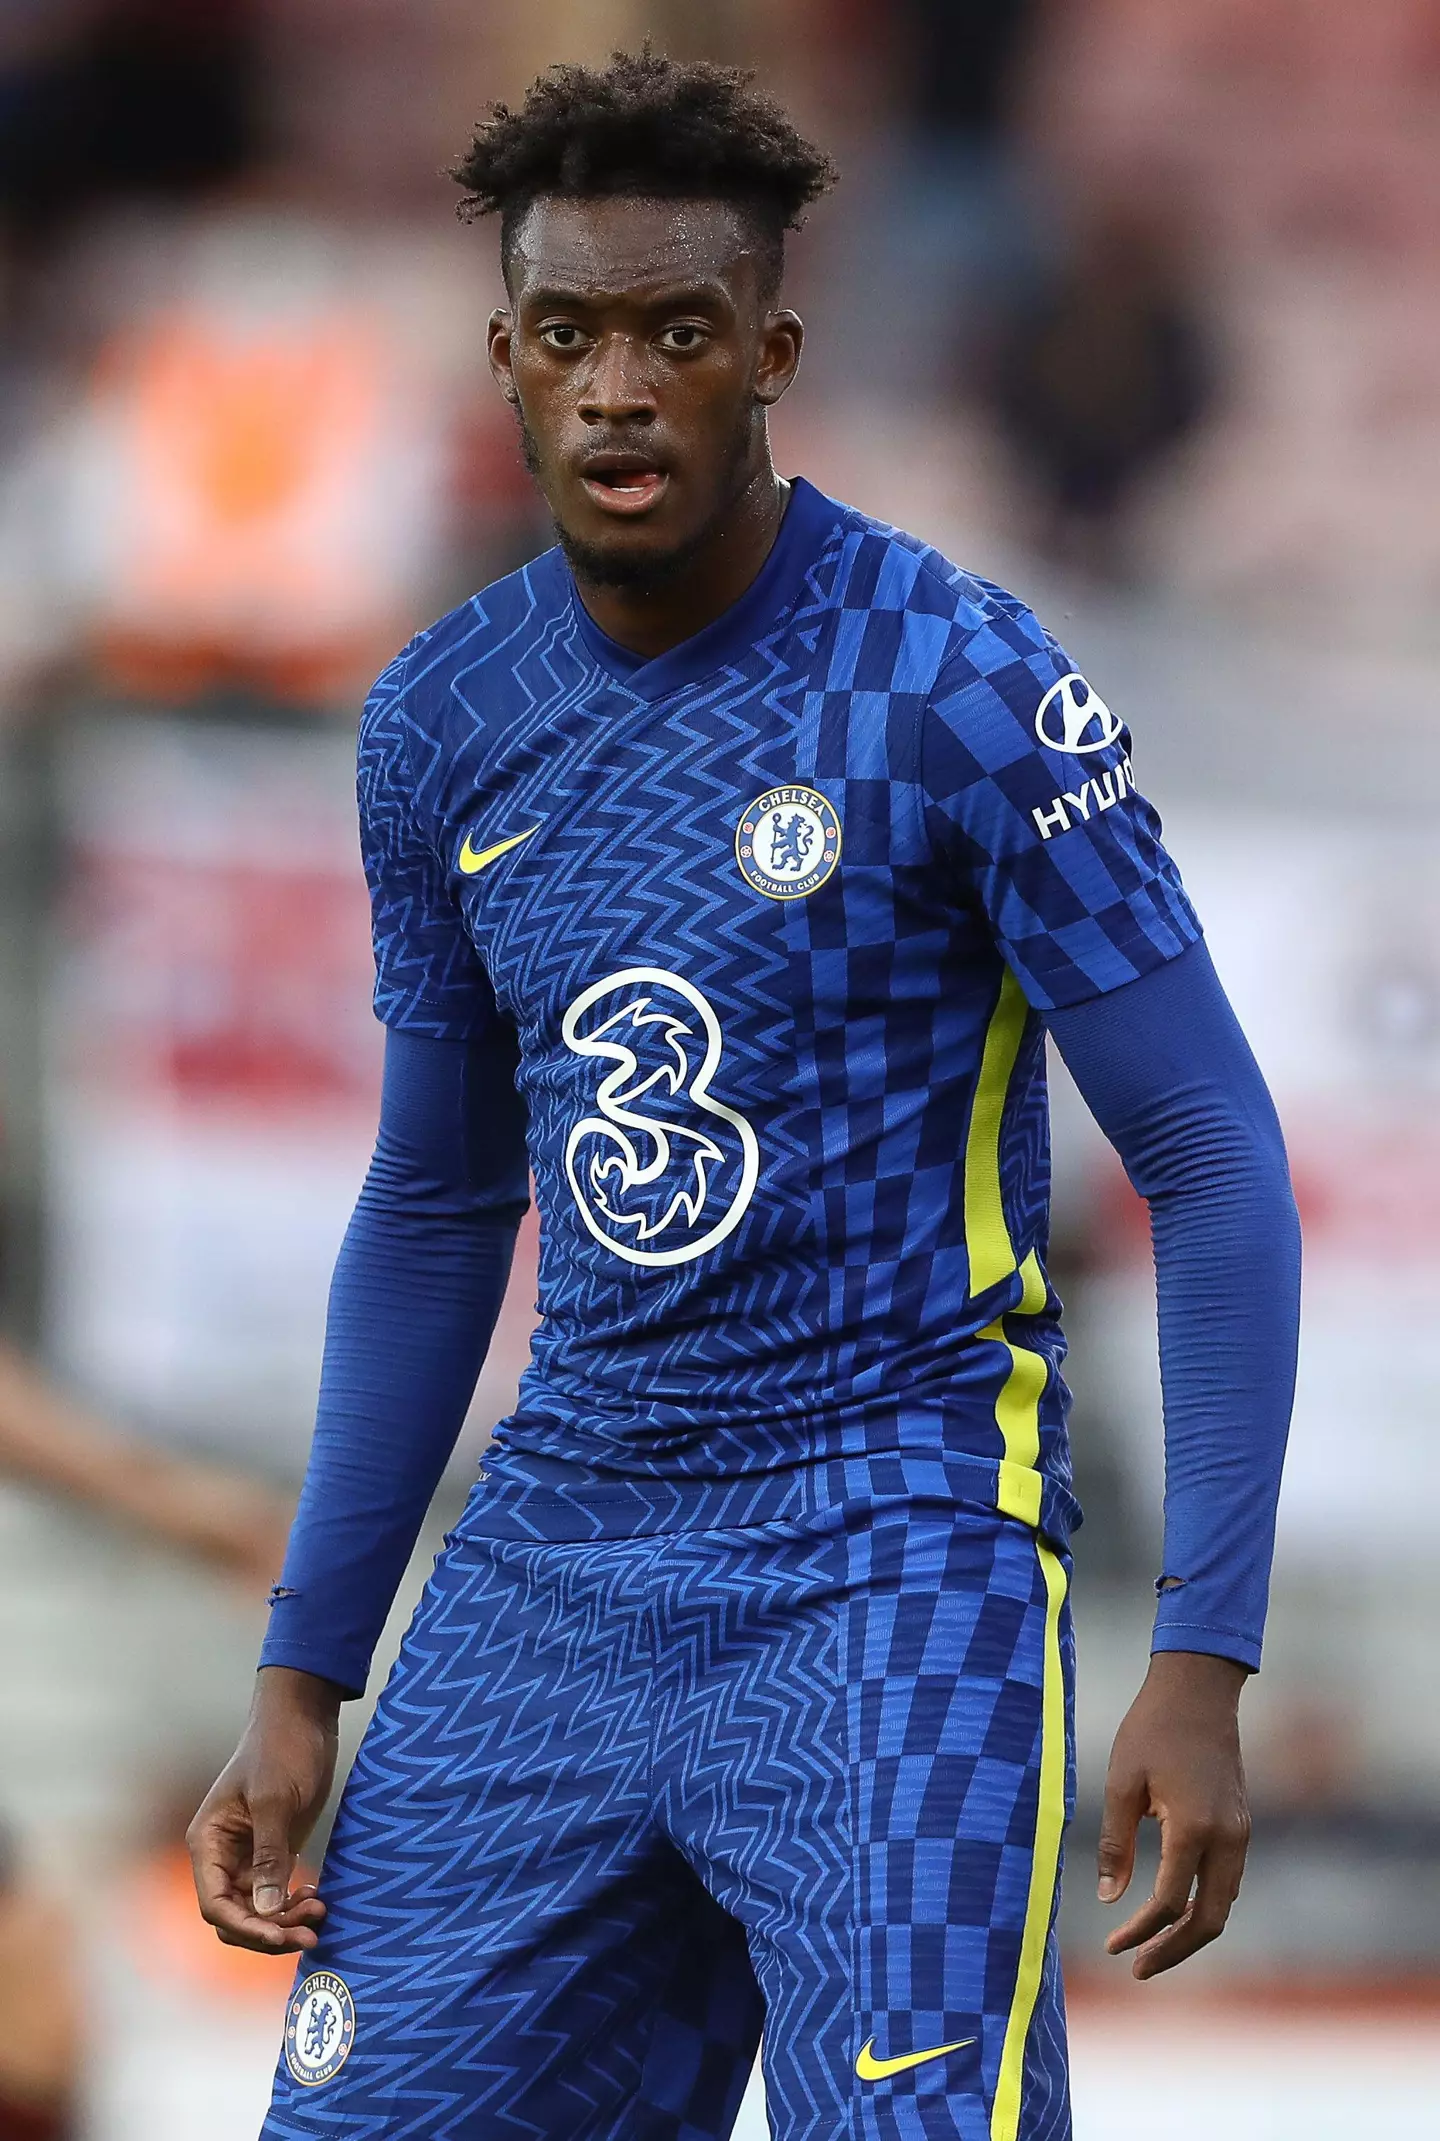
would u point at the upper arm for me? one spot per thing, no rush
(1030, 796)
(1165, 1069)
(428, 975)
(452, 1126)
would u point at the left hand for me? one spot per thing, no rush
(1176, 1759)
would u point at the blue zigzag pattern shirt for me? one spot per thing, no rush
(771, 923)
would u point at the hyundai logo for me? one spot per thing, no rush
(1066, 722)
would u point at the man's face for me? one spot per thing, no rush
(642, 355)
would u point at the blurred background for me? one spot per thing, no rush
(1131, 304)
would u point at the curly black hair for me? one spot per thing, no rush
(649, 126)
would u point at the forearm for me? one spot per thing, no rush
(411, 1312)
(417, 1288)
(1172, 1082)
(1227, 1262)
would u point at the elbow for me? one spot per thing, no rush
(1214, 1148)
(1236, 1190)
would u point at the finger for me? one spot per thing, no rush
(1125, 1802)
(220, 1858)
(237, 1923)
(1217, 1886)
(1168, 1902)
(295, 1925)
(271, 1859)
(303, 1892)
(217, 1863)
(311, 1911)
(263, 1937)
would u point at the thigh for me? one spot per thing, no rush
(875, 1777)
(511, 1948)
(751, 1782)
(959, 1672)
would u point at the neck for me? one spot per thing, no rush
(649, 621)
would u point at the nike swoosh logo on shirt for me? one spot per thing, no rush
(473, 860)
(871, 2069)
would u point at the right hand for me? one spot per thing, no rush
(260, 1810)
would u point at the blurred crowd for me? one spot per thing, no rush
(1134, 303)
(1156, 280)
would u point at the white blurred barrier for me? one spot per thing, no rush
(1263, 2080)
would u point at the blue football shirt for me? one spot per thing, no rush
(775, 919)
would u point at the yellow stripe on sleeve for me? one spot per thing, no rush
(1045, 1863)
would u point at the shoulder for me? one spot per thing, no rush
(456, 664)
(1002, 708)
(946, 627)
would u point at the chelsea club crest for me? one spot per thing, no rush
(319, 2028)
(788, 842)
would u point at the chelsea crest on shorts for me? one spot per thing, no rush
(319, 2028)
(788, 842)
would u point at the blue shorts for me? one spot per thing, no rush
(624, 1800)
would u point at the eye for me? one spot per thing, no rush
(682, 339)
(562, 334)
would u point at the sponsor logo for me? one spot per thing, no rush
(1101, 792)
(788, 843)
(472, 860)
(1073, 718)
(319, 2028)
(662, 1171)
(871, 2069)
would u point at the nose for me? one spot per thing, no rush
(617, 388)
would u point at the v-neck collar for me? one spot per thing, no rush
(809, 518)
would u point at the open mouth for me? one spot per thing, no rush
(624, 488)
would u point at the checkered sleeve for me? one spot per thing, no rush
(1030, 797)
(428, 976)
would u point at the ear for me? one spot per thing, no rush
(497, 346)
(781, 341)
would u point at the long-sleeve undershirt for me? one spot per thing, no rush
(417, 1288)
(1167, 1073)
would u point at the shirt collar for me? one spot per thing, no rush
(809, 519)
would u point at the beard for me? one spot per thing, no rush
(646, 571)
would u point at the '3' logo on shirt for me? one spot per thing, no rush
(662, 1171)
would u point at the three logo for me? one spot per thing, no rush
(662, 1171)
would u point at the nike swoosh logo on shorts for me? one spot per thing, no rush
(473, 860)
(871, 2069)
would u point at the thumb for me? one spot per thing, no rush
(271, 1858)
(1125, 1800)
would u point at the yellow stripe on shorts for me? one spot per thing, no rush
(1045, 1863)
